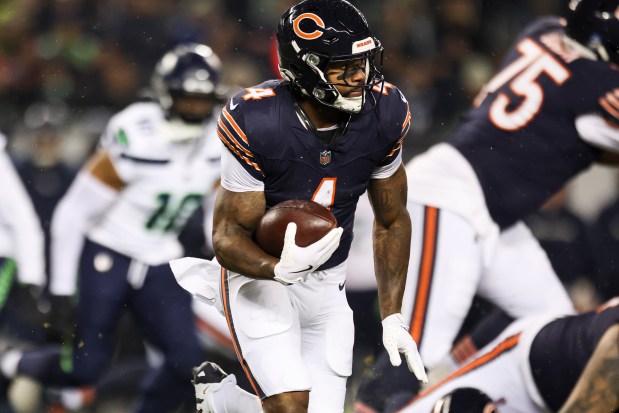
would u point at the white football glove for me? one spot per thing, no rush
(297, 262)
(396, 340)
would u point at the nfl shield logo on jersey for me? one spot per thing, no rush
(325, 157)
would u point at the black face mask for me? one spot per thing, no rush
(192, 119)
(189, 118)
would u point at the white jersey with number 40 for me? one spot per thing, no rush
(165, 179)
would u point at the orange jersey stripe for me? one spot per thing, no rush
(609, 108)
(405, 129)
(234, 125)
(232, 139)
(612, 99)
(426, 268)
(237, 349)
(407, 120)
(234, 150)
(397, 147)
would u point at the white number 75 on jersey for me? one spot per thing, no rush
(522, 75)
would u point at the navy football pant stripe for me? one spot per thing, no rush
(235, 341)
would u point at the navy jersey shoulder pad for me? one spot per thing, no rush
(597, 81)
(251, 97)
(394, 116)
(248, 124)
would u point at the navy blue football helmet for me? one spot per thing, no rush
(315, 33)
(595, 24)
(188, 70)
(465, 400)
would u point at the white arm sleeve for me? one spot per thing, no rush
(235, 178)
(17, 210)
(597, 131)
(387, 170)
(86, 199)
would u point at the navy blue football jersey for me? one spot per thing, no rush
(561, 350)
(520, 136)
(260, 127)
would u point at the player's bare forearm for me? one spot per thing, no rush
(391, 254)
(392, 238)
(597, 389)
(101, 167)
(235, 218)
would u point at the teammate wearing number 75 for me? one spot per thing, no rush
(328, 132)
(549, 113)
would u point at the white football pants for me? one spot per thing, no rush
(450, 263)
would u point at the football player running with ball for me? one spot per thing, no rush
(117, 228)
(332, 129)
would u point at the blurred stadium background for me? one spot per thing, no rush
(95, 56)
(67, 65)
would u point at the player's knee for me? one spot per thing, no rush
(292, 402)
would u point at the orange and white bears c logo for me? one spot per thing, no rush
(305, 35)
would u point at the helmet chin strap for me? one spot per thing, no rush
(176, 130)
(353, 105)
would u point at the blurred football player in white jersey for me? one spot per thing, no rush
(21, 235)
(116, 229)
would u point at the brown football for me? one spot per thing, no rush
(313, 222)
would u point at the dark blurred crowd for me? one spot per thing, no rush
(100, 53)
